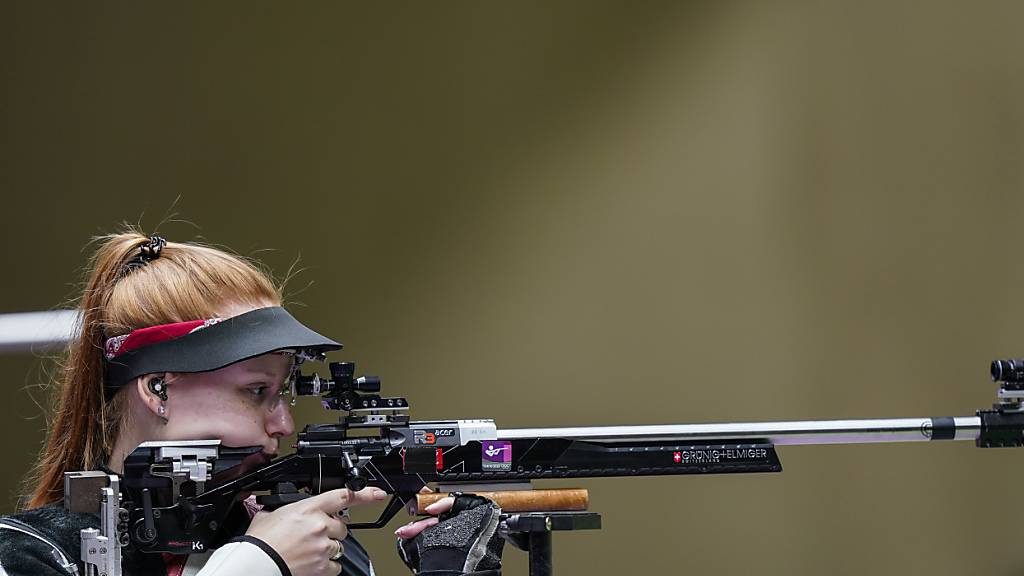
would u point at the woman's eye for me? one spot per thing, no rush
(259, 391)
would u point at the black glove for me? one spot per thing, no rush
(465, 541)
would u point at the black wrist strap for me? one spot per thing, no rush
(266, 549)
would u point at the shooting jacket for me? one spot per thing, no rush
(45, 542)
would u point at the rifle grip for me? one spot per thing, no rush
(560, 499)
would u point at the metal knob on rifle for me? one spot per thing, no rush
(366, 384)
(355, 480)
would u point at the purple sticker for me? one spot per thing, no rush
(496, 454)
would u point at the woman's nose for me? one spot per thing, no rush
(279, 421)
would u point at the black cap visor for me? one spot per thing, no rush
(234, 339)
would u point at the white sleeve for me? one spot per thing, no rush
(244, 558)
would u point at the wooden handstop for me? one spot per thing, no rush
(568, 499)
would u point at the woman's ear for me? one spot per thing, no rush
(152, 391)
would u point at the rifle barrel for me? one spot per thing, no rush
(808, 432)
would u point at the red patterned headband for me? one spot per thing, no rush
(136, 339)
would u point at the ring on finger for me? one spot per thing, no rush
(341, 551)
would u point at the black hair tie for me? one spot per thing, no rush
(147, 253)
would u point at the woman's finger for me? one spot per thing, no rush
(441, 506)
(336, 528)
(413, 528)
(334, 501)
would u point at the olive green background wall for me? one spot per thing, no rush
(581, 213)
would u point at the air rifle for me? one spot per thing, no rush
(173, 496)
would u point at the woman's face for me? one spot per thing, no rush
(240, 404)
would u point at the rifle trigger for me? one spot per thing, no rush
(394, 505)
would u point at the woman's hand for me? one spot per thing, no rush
(306, 534)
(465, 540)
(413, 528)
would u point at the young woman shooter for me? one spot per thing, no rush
(184, 342)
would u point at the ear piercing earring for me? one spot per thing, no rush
(162, 410)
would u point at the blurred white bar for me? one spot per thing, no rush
(36, 331)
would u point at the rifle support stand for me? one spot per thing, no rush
(532, 532)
